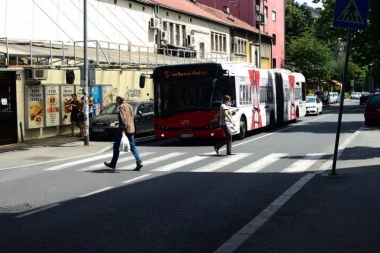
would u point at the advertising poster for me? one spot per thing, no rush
(97, 96)
(52, 105)
(108, 94)
(79, 92)
(66, 92)
(35, 106)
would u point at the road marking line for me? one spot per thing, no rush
(101, 165)
(179, 164)
(65, 165)
(154, 160)
(302, 164)
(95, 192)
(136, 178)
(221, 163)
(38, 210)
(262, 163)
(232, 244)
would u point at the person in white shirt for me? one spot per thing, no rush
(225, 115)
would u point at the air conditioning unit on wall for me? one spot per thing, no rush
(154, 23)
(36, 74)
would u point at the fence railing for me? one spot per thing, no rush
(103, 54)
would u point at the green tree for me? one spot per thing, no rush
(311, 57)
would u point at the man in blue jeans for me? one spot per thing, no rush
(127, 127)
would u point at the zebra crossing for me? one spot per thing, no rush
(207, 162)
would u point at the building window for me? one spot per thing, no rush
(218, 42)
(274, 16)
(274, 39)
(240, 46)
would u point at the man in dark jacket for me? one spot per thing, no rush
(127, 127)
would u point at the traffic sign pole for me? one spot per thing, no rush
(333, 171)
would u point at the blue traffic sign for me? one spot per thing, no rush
(351, 14)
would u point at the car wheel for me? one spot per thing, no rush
(366, 122)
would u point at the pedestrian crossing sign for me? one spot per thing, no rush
(351, 14)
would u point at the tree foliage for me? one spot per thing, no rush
(364, 49)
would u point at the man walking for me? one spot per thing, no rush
(127, 127)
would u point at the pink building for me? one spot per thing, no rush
(272, 13)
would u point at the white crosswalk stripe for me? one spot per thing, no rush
(153, 160)
(227, 160)
(78, 162)
(121, 160)
(179, 164)
(262, 163)
(303, 164)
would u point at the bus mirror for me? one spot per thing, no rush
(142, 81)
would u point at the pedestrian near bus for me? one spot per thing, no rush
(225, 115)
(127, 127)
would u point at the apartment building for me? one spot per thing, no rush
(268, 16)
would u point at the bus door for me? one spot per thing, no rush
(279, 97)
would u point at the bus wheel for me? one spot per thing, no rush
(243, 130)
(272, 122)
(297, 115)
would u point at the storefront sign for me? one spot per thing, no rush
(34, 106)
(52, 106)
(66, 92)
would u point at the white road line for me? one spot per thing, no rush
(262, 163)
(180, 164)
(101, 165)
(221, 163)
(153, 160)
(136, 178)
(37, 210)
(65, 165)
(95, 192)
(303, 164)
(232, 244)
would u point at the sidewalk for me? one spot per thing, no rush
(47, 150)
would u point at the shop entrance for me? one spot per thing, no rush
(8, 107)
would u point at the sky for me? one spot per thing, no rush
(309, 2)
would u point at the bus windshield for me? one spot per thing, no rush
(175, 97)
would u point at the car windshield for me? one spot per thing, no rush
(374, 100)
(310, 100)
(111, 109)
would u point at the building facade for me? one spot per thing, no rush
(266, 15)
(42, 53)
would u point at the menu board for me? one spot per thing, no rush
(34, 106)
(79, 91)
(52, 106)
(65, 100)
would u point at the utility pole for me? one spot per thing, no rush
(85, 76)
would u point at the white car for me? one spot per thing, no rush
(313, 105)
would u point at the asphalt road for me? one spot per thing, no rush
(185, 199)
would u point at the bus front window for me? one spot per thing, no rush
(176, 97)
